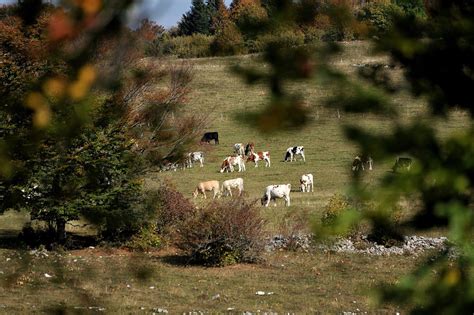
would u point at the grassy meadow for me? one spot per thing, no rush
(83, 281)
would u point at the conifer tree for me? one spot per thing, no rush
(196, 20)
(219, 15)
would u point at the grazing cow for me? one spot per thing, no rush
(239, 149)
(249, 147)
(273, 192)
(361, 162)
(402, 164)
(195, 157)
(291, 153)
(255, 157)
(202, 187)
(231, 161)
(227, 186)
(208, 136)
(306, 182)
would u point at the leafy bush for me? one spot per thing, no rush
(294, 225)
(379, 16)
(336, 206)
(228, 41)
(284, 39)
(146, 239)
(412, 7)
(196, 45)
(172, 209)
(222, 233)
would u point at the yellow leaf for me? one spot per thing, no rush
(35, 100)
(54, 87)
(87, 74)
(452, 276)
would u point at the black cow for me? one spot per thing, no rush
(361, 162)
(402, 164)
(208, 136)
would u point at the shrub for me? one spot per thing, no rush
(222, 233)
(313, 35)
(379, 15)
(284, 39)
(194, 46)
(172, 209)
(228, 41)
(335, 207)
(146, 239)
(412, 7)
(294, 227)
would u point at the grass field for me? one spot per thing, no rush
(301, 282)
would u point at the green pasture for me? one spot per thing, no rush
(221, 95)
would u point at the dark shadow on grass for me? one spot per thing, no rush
(9, 240)
(176, 260)
(13, 239)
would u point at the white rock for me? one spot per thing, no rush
(48, 275)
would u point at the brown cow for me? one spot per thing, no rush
(202, 187)
(255, 157)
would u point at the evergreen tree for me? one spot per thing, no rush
(219, 15)
(196, 20)
(216, 9)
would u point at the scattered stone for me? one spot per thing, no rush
(412, 245)
(215, 297)
(160, 310)
(260, 293)
(48, 275)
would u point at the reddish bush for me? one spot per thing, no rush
(172, 209)
(223, 233)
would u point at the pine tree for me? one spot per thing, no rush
(219, 15)
(196, 20)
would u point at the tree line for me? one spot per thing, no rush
(210, 28)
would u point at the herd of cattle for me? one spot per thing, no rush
(246, 153)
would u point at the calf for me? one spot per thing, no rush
(291, 153)
(255, 157)
(227, 186)
(202, 187)
(361, 162)
(402, 164)
(306, 182)
(239, 149)
(231, 161)
(273, 192)
(195, 157)
(208, 136)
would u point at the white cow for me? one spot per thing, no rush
(306, 182)
(227, 186)
(255, 157)
(239, 149)
(273, 192)
(195, 157)
(202, 187)
(291, 153)
(231, 161)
